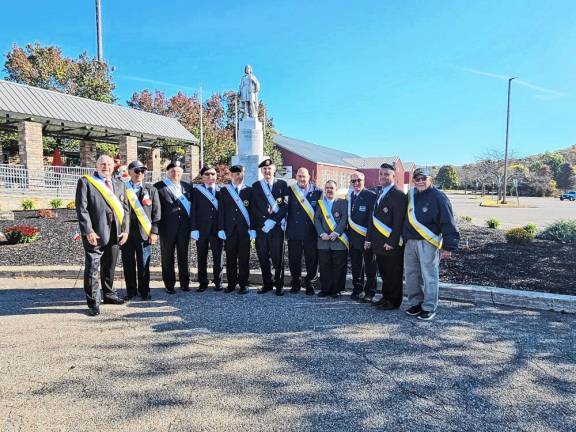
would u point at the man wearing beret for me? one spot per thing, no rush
(430, 234)
(144, 218)
(234, 227)
(205, 210)
(174, 228)
(268, 212)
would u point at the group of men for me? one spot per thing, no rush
(396, 235)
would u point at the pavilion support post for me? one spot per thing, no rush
(192, 161)
(153, 162)
(88, 154)
(30, 145)
(128, 146)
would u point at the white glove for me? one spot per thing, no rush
(252, 234)
(222, 235)
(268, 225)
(195, 235)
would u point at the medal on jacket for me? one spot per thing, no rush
(146, 199)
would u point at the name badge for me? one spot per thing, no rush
(362, 208)
(313, 203)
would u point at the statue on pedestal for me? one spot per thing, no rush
(248, 93)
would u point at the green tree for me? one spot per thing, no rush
(447, 177)
(566, 177)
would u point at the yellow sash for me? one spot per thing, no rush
(303, 202)
(423, 230)
(138, 209)
(332, 223)
(108, 196)
(356, 227)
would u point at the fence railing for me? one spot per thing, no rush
(54, 181)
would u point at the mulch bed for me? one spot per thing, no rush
(484, 258)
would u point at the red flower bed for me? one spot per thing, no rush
(21, 234)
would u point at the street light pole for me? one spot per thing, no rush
(99, 31)
(506, 148)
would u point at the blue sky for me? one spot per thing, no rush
(425, 80)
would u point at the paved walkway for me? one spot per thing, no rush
(224, 362)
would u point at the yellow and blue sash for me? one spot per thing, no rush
(212, 198)
(303, 201)
(137, 208)
(329, 218)
(356, 227)
(178, 195)
(239, 203)
(434, 239)
(111, 199)
(382, 228)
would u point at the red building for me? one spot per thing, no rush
(325, 163)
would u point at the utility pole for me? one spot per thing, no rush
(506, 148)
(99, 31)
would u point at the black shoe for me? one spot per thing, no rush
(279, 292)
(202, 288)
(322, 294)
(264, 290)
(426, 315)
(355, 296)
(294, 290)
(310, 291)
(185, 288)
(170, 291)
(380, 302)
(128, 297)
(386, 305)
(243, 290)
(414, 310)
(335, 295)
(146, 297)
(367, 299)
(218, 288)
(93, 311)
(115, 300)
(230, 289)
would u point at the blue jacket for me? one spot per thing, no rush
(361, 213)
(433, 209)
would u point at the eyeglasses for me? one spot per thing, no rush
(139, 171)
(420, 178)
(356, 181)
(209, 174)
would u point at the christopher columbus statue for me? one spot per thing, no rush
(248, 93)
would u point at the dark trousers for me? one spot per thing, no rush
(295, 250)
(203, 245)
(100, 263)
(363, 263)
(270, 248)
(237, 259)
(179, 243)
(333, 267)
(136, 264)
(391, 268)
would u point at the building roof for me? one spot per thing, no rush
(313, 152)
(77, 117)
(371, 162)
(408, 166)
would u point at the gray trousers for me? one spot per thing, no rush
(422, 273)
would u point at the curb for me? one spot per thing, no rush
(448, 291)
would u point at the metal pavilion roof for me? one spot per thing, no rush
(75, 117)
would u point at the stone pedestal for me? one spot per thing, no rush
(250, 149)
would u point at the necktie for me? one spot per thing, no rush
(236, 189)
(211, 190)
(109, 184)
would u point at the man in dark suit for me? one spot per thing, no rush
(330, 221)
(144, 218)
(384, 238)
(104, 218)
(234, 227)
(300, 231)
(360, 206)
(174, 228)
(268, 212)
(205, 228)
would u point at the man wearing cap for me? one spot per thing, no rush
(300, 231)
(144, 218)
(360, 207)
(330, 221)
(384, 237)
(205, 228)
(268, 212)
(234, 227)
(430, 234)
(104, 218)
(174, 228)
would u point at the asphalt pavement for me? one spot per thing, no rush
(224, 362)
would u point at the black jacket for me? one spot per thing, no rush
(361, 213)
(299, 226)
(230, 217)
(204, 216)
(174, 216)
(260, 206)
(391, 210)
(151, 209)
(94, 213)
(433, 209)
